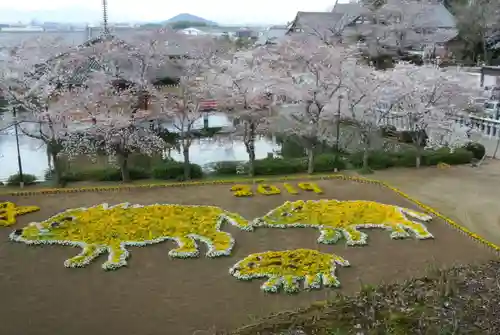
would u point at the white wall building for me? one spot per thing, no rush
(192, 31)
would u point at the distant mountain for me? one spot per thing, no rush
(184, 17)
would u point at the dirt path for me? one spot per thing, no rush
(469, 195)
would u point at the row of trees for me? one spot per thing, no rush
(101, 96)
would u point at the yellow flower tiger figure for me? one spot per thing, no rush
(111, 229)
(342, 219)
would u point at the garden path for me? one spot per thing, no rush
(471, 196)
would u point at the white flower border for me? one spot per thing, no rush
(340, 232)
(274, 283)
(110, 265)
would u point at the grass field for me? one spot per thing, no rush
(159, 295)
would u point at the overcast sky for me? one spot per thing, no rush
(221, 11)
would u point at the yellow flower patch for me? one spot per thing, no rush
(290, 189)
(286, 268)
(9, 211)
(268, 189)
(311, 187)
(241, 190)
(102, 228)
(342, 219)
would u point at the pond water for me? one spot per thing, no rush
(202, 152)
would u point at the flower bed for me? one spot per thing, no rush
(102, 228)
(336, 219)
(9, 211)
(269, 189)
(287, 268)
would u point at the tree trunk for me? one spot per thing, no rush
(418, 158)
(251, 160)
(123, 161)
(310, 160)
(57, 175)
(250, 146)
(485, 51)
(187, 165)
(365, 159)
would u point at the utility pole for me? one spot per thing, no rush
(105, 17)
(19, 162)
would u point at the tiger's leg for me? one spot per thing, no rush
(354, 236)
(329, 236)
(418, 229)
(219, 244)
(187, 248)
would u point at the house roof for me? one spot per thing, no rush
(320, 22)
(272, 34)
(428, 15)
(350, 10)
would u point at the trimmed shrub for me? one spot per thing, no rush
(277, 166)
(478, 150)
(100, 174)
(173, 170)
(458, 156)
(225, 168)
(15, 179)
(377, 160)
(405, 158)
(328, 163)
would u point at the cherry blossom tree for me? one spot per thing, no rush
(432, 100)
(116, 96)
(115, 123)
(313, 78)
(183, 106)
(248, 89)
(33, 75)
(370, 95)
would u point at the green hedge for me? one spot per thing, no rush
(277, 166)
(167, 171)
(478, 150)
(15, 179)
(100, 174)
(175, 171)
(379, 160)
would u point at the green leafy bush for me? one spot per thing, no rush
(275, 166)
(173, 170)
(458, 156)
(328, 163)
(15, 179)
(377, 159)
(478, 150)
(225, 168)
(405, 158)
(100, 174)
